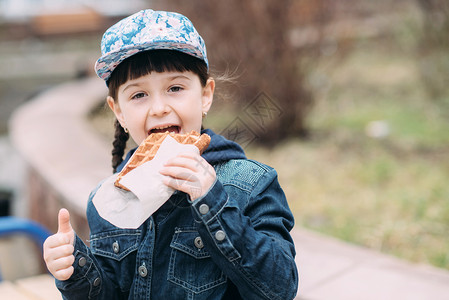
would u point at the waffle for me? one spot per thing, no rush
(148, 148)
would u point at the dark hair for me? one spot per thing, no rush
(139, 65)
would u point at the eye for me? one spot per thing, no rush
(138, 95)
(175, 89)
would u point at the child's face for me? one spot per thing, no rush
(173, 101)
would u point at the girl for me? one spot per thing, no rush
(227, 238)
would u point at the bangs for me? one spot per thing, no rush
(159, 61)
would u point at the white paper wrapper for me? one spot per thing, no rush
(126, 209)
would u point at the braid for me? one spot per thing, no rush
(120, 138)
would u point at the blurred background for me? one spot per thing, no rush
(347, 99)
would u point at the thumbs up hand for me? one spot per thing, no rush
(58, 248)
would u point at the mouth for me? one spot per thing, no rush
(164, 128)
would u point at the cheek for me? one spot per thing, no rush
(133, 113)
(137, 134)
(135, 120)
(197, 122)
(193, 112)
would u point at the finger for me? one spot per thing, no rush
(178, 173)
(63, 274)
(185, 162)
(56, 240)
(63, 262)
(55, 261)
(58, 252)
(64, 225)
(199, 163)
(192, 155)
(194, 189)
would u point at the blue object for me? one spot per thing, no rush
(14, 225)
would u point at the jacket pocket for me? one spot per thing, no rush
(191, 266)
(115, 244)
(116, 251)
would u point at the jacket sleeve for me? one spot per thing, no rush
(86, 282)
(250, 241)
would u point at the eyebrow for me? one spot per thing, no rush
(131, 85)
(178, 76)
(138, 84)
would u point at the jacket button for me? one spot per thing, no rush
(204, 209)
(220, 235)
(143, 271)
(97, 281)
(198, 242)
(82, 262)
(115, 247)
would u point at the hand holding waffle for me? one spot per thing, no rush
(127, 199)
(189, 173)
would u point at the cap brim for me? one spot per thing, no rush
(106, 64)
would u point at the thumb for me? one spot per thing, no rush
(64, 225)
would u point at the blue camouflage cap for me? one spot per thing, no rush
(148, 30)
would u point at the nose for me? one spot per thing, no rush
(158, 106)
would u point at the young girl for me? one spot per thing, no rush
(227, 238)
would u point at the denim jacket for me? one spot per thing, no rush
(232, 243)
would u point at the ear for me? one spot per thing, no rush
(208, 94)
(116, 109)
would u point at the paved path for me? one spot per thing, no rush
(332, 269)
(329, 268)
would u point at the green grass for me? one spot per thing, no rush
(388, 194)
(368, 193)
